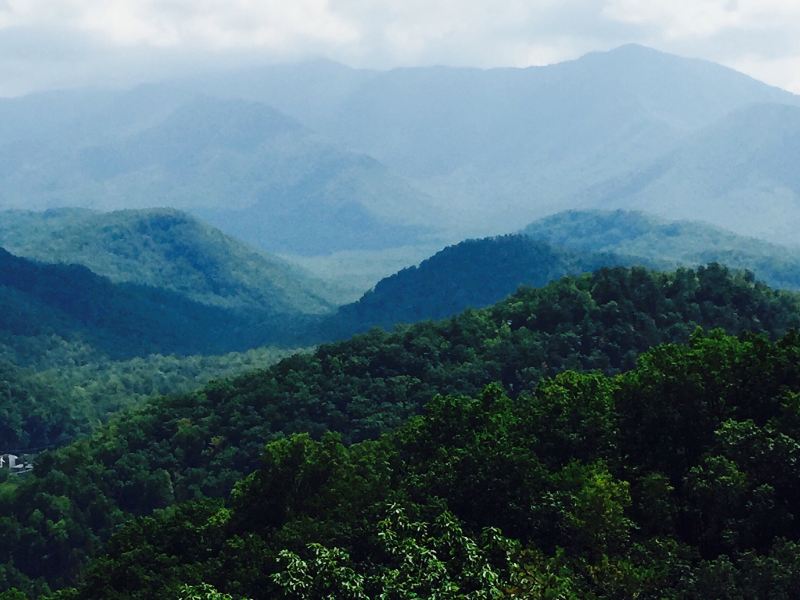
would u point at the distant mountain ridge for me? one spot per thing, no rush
(318, 158)
(739, 173)
(511, 143)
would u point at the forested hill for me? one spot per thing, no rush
(167, 249)
(687, 243)
(188, 446)
(42, 302)
(471, 274)
(676, 480)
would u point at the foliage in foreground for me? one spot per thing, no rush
(678, 479)
(198, 445)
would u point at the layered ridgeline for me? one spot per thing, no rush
(676, 479)
(76, 346)
(45, 306)
(166, 249)
(673, 243)
(243, 166)
(184, 447)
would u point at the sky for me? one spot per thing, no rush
(46, 44)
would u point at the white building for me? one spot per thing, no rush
(11, 462)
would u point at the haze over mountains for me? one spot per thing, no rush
(740, 173)
(516, 143)
(317, 157)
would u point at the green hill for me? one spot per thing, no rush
(471, 274)
(668, 242)
(165, 249)
(65, 397)
(185, 447)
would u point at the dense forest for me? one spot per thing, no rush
(247, 350)
(49, 407)
(676, 479)
(187, 447)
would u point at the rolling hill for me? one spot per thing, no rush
(672, 243)
(472, 274)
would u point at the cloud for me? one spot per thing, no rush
(46, 43)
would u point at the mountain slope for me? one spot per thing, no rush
(668, 242)
(738, 173)
(246, 168)
(183, 447)
(166, 249)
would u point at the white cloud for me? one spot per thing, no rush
(80, 41)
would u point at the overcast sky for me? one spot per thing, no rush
(62, 43)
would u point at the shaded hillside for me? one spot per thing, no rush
(739, 173)
(670, 242)
(166, 249)
(183, 447)
(472, 274)
(39, 302)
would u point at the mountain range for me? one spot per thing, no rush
(317, 158)
(263, 299)
(528, 407)
(500, 145)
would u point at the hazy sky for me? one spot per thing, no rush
(58, 43)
